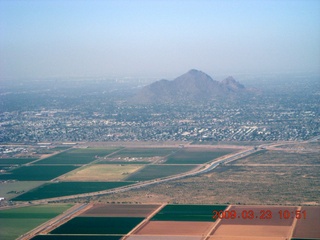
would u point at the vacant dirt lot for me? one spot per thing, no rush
(123, 210)
(175, 228)
(102, 172)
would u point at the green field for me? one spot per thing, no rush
(12, 161)
(123, 162)
(12, 189)
(98, 225)
(76, 237)
(144, 152)
(17, 221)
(188, 213)
(78, 156)
(52, 190)
(158, 171)
(36, 173)
(195, 157)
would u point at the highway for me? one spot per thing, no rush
(204, 168)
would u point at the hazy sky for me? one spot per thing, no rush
(157, 38)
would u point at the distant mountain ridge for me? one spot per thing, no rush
(194, 85)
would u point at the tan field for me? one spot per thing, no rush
(102, 172)
(248, 238)
(260, 215)
(252, 231)
(309, 227)
(175, 228)
(164, 238)
(123, 210)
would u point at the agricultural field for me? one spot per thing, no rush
(308, 229)
(15, 161)
(144, 152)
(192, 213)
(98, 225)
(165, 237)
(76, 237)
(78, 156)
(10, 189)
(256, 222)
(36, 173)
(196, 156)
(115, 161)
(17, 221)
(50, 150)
(187, 228)
(101, 173)
(249, 222)
(121, 210)
(52, 190)
(240, 182)
(150, 172)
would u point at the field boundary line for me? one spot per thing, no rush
(216, 225)
(144, 222)
(293, 226)
(50, 155)
(56, 221)
(83, 166)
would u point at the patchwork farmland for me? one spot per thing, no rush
(142, 222)
(54, 190)
(77, 156)
(96, 177)
(17, 221)
(111, 167)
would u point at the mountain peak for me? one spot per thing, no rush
(196, 73)
(194, 85)
(232, 84)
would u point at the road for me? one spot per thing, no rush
(204, 168)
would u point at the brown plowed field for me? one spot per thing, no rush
(258, 212)
(164, 238)
(309, 227)
(123, 210)
(175, 228)
(260, 227)
(251, 231)
(248, 238)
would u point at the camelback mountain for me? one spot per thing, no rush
(192, 86)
